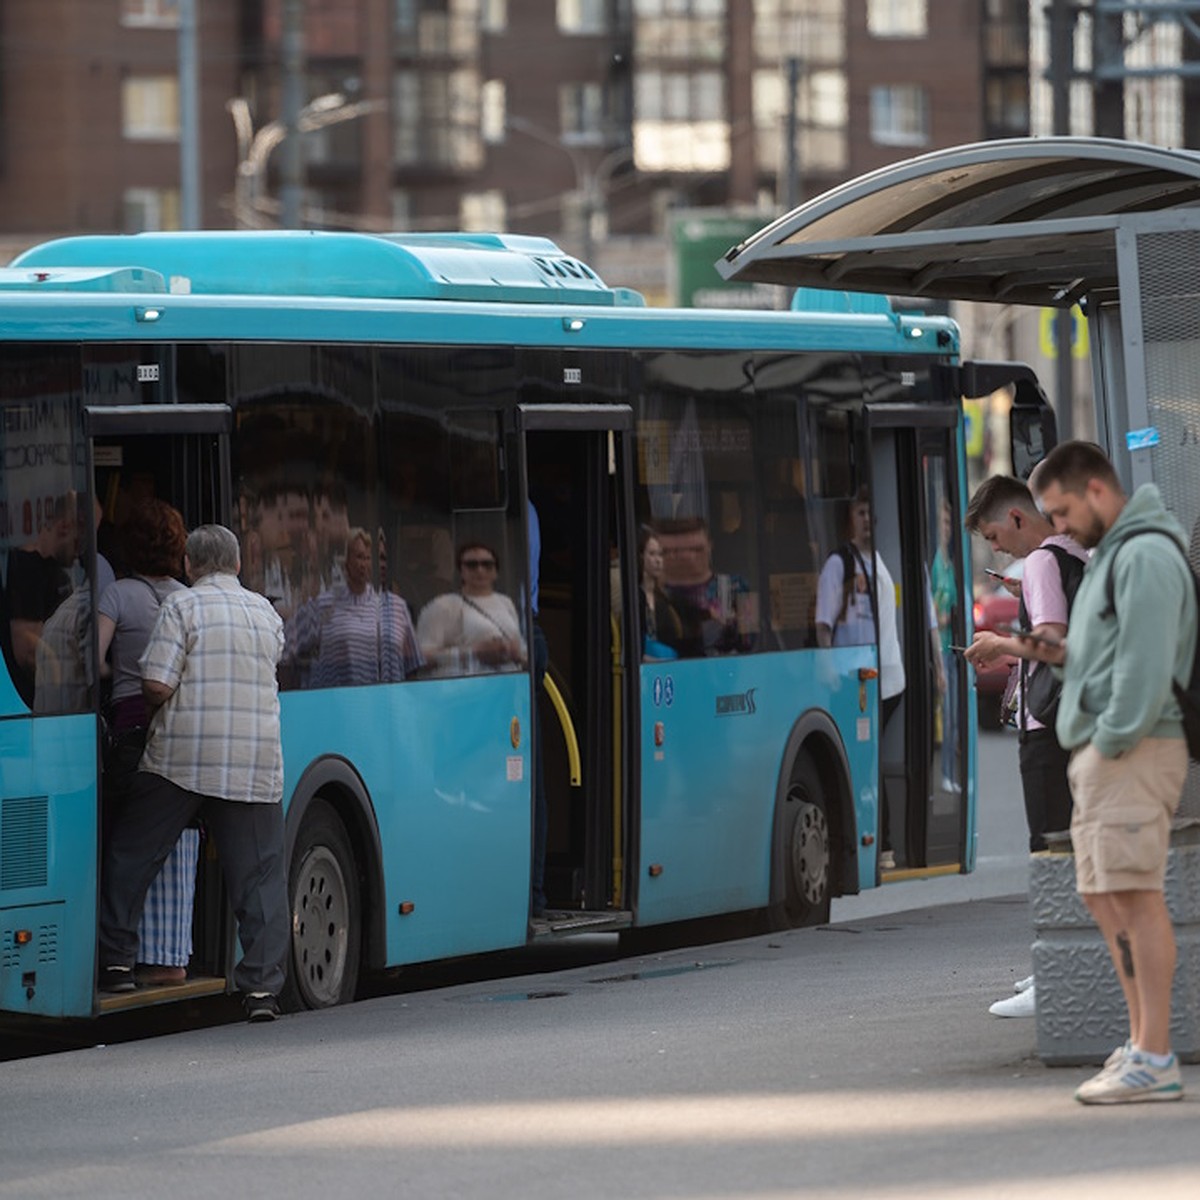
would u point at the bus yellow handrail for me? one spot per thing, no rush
(568, 727)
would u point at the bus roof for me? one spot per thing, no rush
(455, 289)
(411, 266)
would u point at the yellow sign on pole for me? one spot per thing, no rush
(1079, 333)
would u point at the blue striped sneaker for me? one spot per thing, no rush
(1131, 1080)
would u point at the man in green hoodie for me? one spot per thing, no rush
(1119, 718)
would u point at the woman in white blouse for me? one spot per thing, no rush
(475, 625)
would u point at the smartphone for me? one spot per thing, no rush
(958, 649)
(995, 574)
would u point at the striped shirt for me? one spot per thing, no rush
(217, 645)
(349, 640)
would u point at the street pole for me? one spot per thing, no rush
(292, 186)
(1062, 65)
(189, 118)
(791, 192)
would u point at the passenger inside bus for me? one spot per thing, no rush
(331, 531)
(854, 585)
(353, 633)
(152, 541)
(717, 611)
(475, 628)
(282, 519)
(37, 583)
(662, 630)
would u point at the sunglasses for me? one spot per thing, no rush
(481, 563)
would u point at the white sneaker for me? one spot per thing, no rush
(1023, 1004)
(1023, 985)
(1132, 1080)
(1118, 1056)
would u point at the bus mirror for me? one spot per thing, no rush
(1033, 433)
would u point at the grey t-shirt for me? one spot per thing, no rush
(133, 605)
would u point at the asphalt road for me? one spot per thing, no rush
(855, 1060)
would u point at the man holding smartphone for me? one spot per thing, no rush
(1132, 634)
(1004, 514)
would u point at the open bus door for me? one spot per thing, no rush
(178, 453)
(924, 770)
(573, 475)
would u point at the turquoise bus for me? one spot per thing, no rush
(304, 387)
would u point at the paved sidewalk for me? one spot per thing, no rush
(850, 1061)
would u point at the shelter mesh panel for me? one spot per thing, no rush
(1169, 283)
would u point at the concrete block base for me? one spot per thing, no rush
(1080, 1007)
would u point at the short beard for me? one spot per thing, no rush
(1089, 539)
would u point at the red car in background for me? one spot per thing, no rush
(994, 610)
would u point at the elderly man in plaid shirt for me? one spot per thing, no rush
(208, 674)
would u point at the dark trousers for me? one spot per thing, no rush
(541, 660)
(887, 710)
(1044, 781)
(250, 844)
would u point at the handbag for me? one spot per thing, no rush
(122, 752)
(1042, 690)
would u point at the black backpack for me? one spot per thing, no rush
(1187, 697)
(1040, 697)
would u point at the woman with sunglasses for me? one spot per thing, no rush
(476, 627)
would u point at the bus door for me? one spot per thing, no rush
(573, 456)
(178, 453)
(918, 534)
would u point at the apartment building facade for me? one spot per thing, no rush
(589, 121)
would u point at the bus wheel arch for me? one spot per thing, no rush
(334, 860)
(813, 835)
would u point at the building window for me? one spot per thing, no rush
(899, 115)
(680, 29)
(897, 18)
(161, 14)
(583, 16)
(581, 112)
(151, 209)
(821, 118)
(483, 212)
(493, 111)
(437, 27)
(813, 30)
(1007, 105)
(437, 119)
(493, 16)
(150, 108)
(680, 121)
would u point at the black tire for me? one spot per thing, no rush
(804, 851)
(326, 910)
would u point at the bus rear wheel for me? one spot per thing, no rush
(803, 827)
(325, 910)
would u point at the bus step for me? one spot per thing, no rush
(558, 922)
(162, 994)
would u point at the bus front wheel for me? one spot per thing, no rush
(325, 911)
(803, 827)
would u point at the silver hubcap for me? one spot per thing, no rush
(810, 852)
(320, 921)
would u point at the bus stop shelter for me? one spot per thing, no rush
(1111, 226)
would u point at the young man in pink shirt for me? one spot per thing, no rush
(1004, 514)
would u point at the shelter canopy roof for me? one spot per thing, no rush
(1022, 221)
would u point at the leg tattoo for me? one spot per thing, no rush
(1126, 954)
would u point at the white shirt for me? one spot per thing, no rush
(857, 627)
